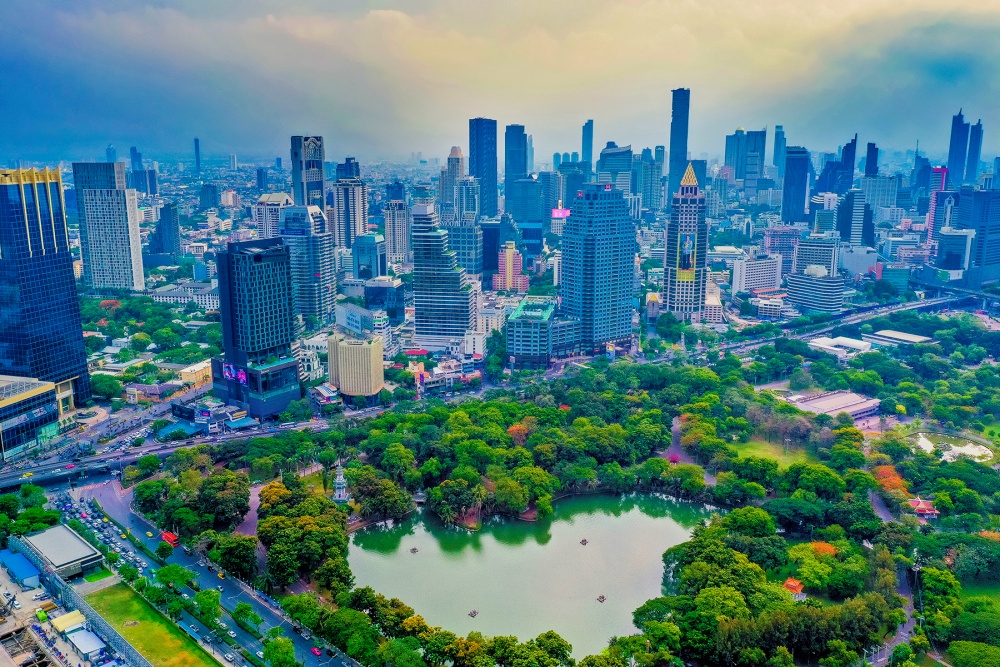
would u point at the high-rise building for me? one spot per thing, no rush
(739, 145)
(795, 187)
(306, 234)
(975, 152)
(308, 185)
(958, 148)
(587, 147)
(467, 200)
(551, 183)
(598, 266)
(816, 290)
(817, 250)
(40, 322)
(871, 160)
(443, 299)
(938, 182)
(348, 211)
(680, 108)
(483, 162)
(496, 232)
(110, 242)
(756, 273)
(647, 175)
(267, 213)
(450, 175)
(556, 159)
(979, 210)
(779, 150)
(782, 241)
(349, 168)
(686, 252)
(615, 167)
(529, 154)
(523, 200)
(509, 276)
(465, 239)
(397, 231)
(110, 154)
(262, 178)
(135, 158)
(854, 216)
(515, 154)
(209, 197)
(880, 191)
(369, 257)
(166, 238)
(257, 370)
(395, 191)
(197, 156)
(356, 364)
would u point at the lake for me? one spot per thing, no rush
(524, 578)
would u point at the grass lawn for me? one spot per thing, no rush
(927, 661)
(772, 450)
(103, 573)
(989, 589)
(156, 638)
(317, 483)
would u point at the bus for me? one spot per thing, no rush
(170, 539)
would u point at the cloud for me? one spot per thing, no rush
(383, 79)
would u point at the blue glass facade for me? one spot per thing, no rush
(40, 329)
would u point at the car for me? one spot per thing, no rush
(7, 595)
(306, 635)
(194, 628)
(148, 534)
(200, 563)
(222, 575)
(70, 466)
(228, 657)
(260, 654)
(123, 536)
(28, 474)
(219, 588)
(219, 622)
(232, 635)
(330, 652)
(316, 651)
(16, 604)
(185, 596)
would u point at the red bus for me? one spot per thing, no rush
(170, 539)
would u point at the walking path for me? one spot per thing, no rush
(675, 450)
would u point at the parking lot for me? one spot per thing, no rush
(105, 531)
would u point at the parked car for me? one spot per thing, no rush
(316, 651)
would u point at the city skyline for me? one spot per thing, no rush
(408, 94)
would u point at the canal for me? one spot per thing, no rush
(524, 578)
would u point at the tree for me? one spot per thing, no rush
(128, 572)
(140, 342)
(166, 339)
(174, 576)
(148, 464)
(164, 550)
(244, 614)
(280, 652)
(238, 555)
(360, 402)
(105, 386)
(209, 605)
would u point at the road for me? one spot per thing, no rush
(116, 503)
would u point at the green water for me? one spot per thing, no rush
(528, 577)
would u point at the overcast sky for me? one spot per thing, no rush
(384, 79)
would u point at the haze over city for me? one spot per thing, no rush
(385, 79)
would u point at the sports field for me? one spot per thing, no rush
(156, 638)
(774, 451)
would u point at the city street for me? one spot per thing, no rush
(116, 503)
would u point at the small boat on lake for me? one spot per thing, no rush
(474, 613)
(601, 598)
(584, 541)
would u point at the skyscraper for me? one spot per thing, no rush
(975, 152)
(958, 148)
(529, 155)
(615, 167)
(135, 157)
(40, 322)
(349, 168)
(515, 153)
(680, 108)
(166, 238)
(647, 177)
(467, 200)
(348, 211)
(443, 301)
(587, 147)
(685, 252)
(483, 162)
(871, 160)
(779, 150)
(110, 242)
(197, 156)
(306, 234)
(795, 188)
(307, 171)
(854, 217)
(262, 178)
(267, 213)
(598, 263)
(450, 175)
(369, 257)
(979, 210)
(397, 231)
(556, 159)
(257, 370)
(938, 183)
(395, 191)
(110, 154)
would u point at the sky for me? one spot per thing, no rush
(380, 80)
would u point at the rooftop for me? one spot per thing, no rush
(902, 336)
(833, 402)
(12, 386)
(533, 310)
(61, 546)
